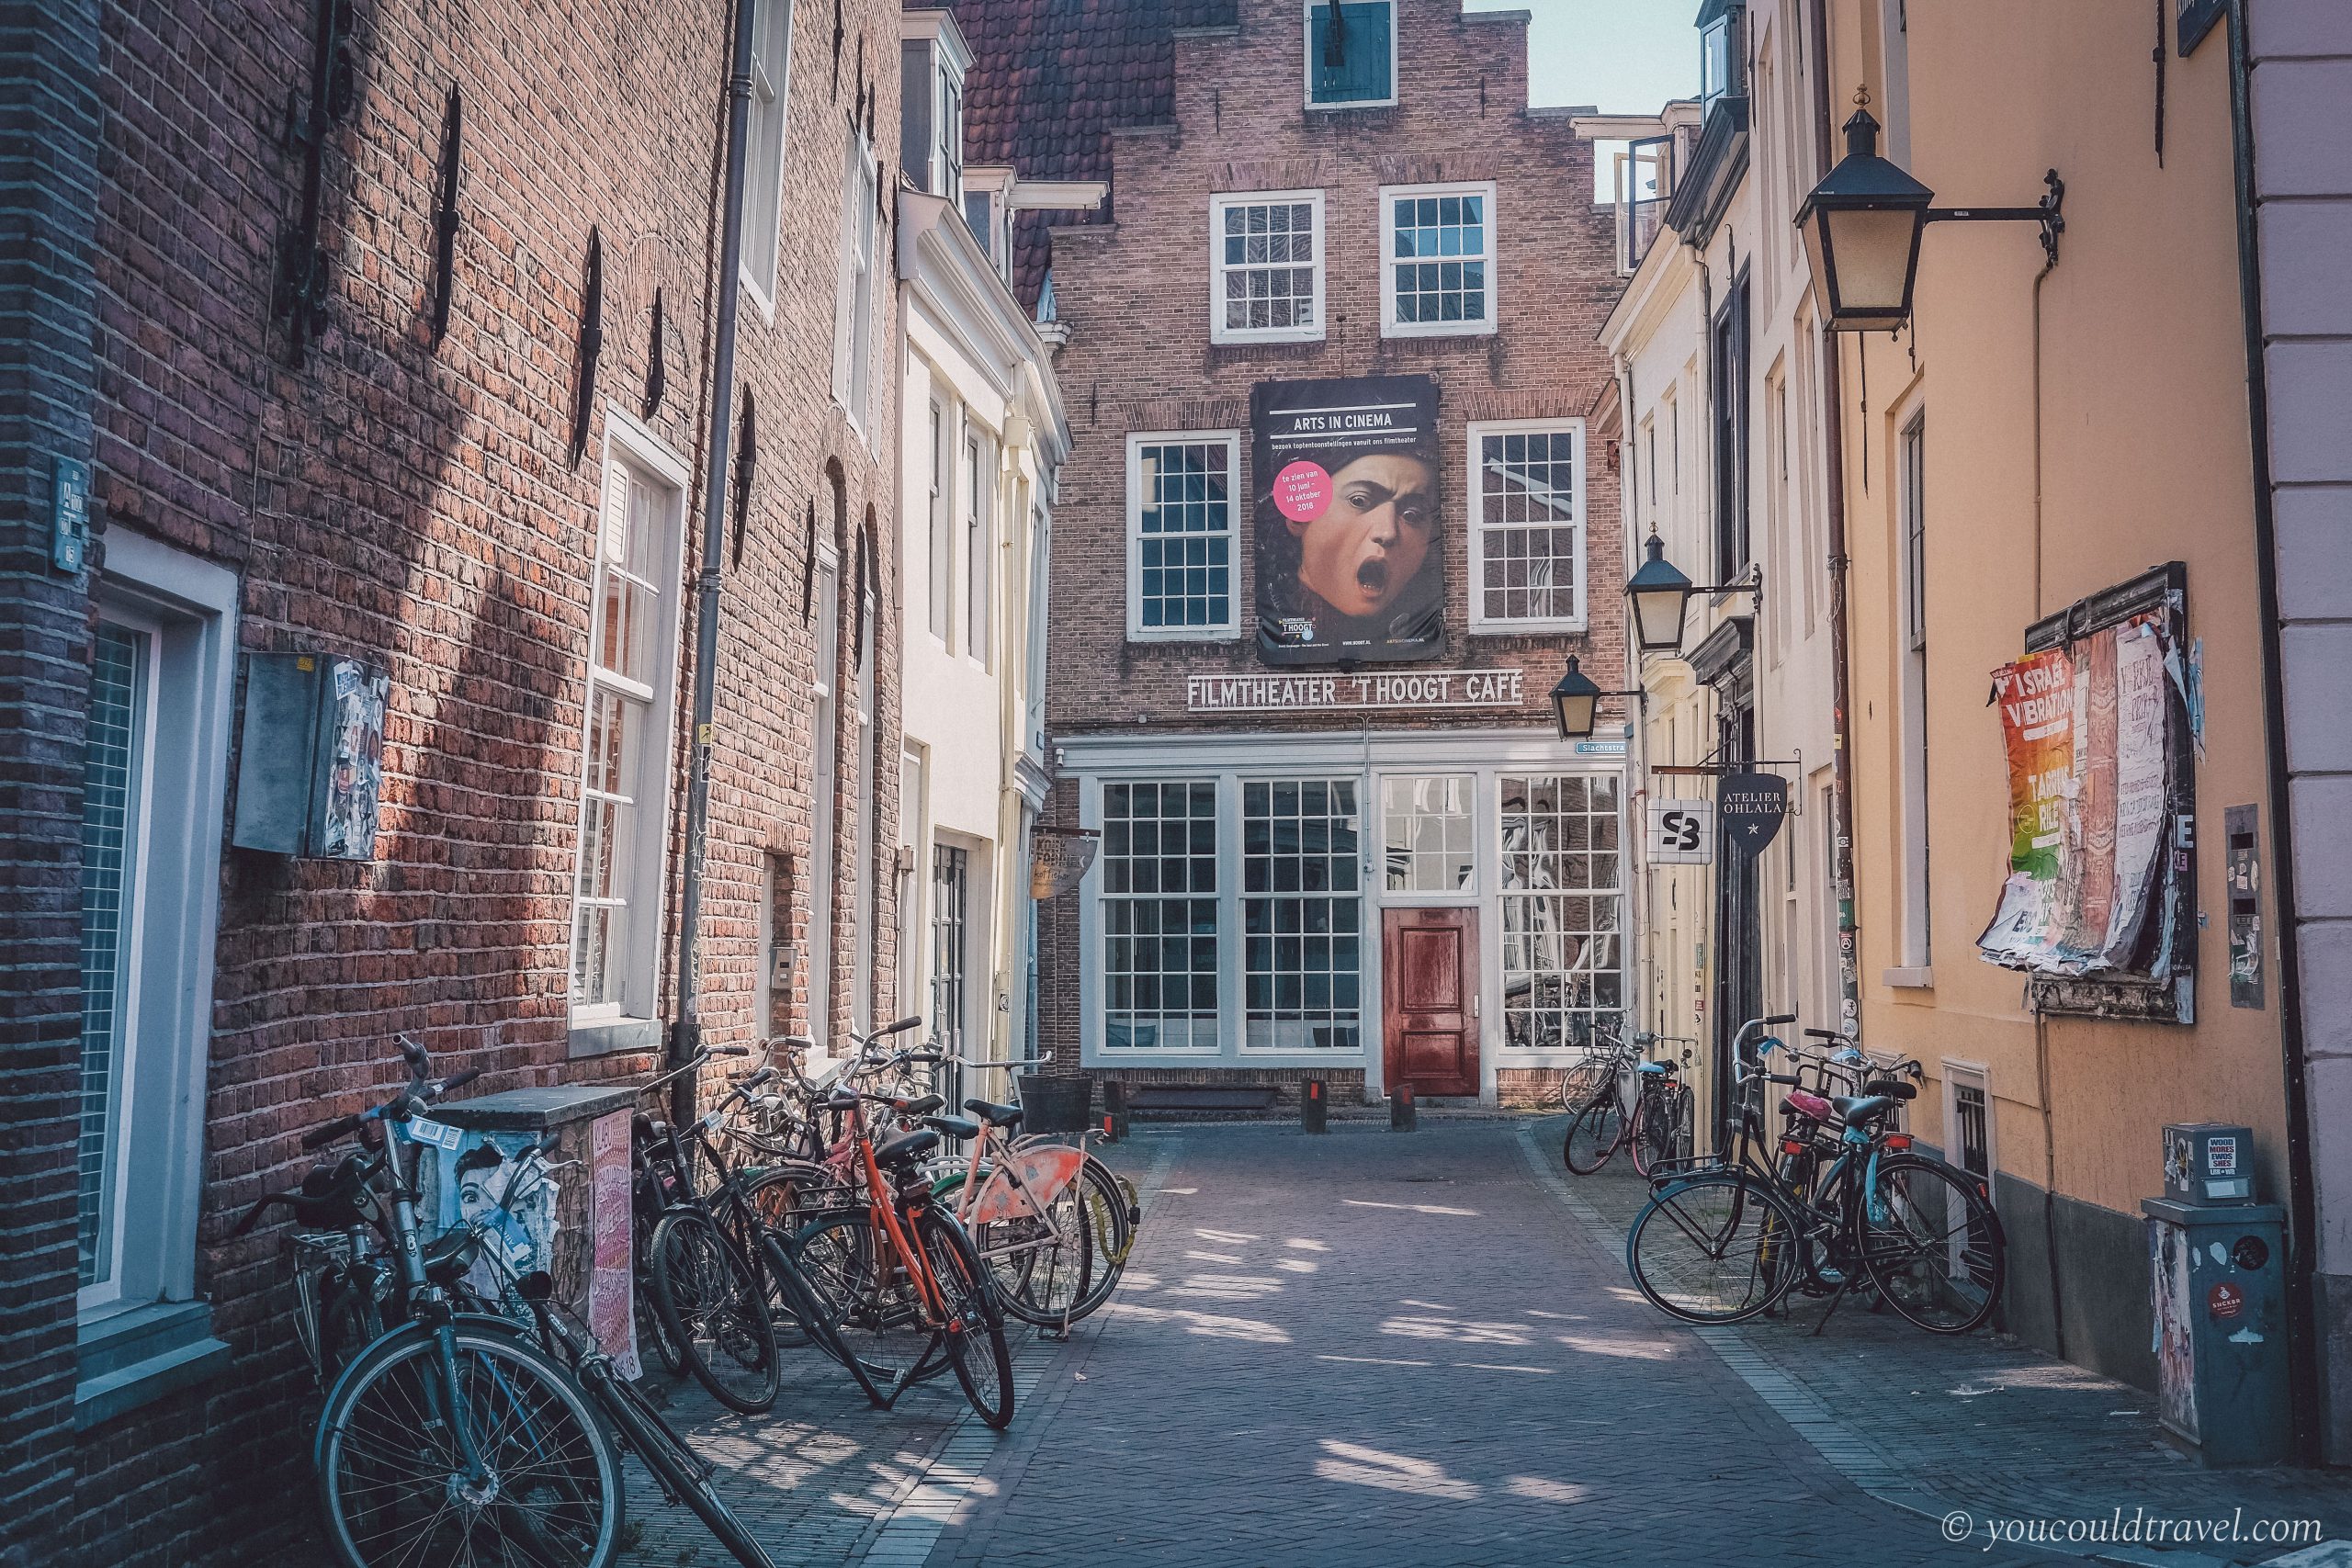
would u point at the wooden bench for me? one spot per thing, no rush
(1194, 1098)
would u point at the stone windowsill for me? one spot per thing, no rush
(137, 1356)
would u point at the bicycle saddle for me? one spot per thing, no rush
(923, 1107)
(907, 1147)
(1651, 1068)
(1005, 1116)
(1806, 1103)
(1893, 1088)
(1868, 1107)
(953, 1127)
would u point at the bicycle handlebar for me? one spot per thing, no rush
(419, 1093)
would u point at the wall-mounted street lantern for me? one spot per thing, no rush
(1862, 227)
(1575, 702)
(1661, 592)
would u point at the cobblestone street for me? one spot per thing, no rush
(1374, 1348)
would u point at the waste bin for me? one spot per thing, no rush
(2217, 1279)
(1057, 1102)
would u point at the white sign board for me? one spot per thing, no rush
(1682, 832)
(1426, 691)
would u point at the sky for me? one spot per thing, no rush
(1623, 56)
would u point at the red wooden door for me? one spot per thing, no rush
(1429, 995)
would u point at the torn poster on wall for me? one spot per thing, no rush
(2089, 729)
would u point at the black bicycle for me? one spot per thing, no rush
(447, 1437)
(683, 1475)
(708, 1288)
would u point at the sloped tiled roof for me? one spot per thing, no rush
(1051, 80)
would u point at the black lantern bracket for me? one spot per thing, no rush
(2049, 213)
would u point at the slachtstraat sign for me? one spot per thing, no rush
(1420, 691)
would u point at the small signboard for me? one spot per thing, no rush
(1752, 806)
(1682, 832)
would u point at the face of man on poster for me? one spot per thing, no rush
(1349, 551)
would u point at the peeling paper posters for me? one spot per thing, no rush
(2087, 731)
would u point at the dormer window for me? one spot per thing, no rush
(1723, 52)
(1351, 53)
(933, 58)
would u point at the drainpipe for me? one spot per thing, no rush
(686, 1036)
(2302, 1334)
(1841, 750)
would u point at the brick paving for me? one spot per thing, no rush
(1982, 1423)
(1382, 1348)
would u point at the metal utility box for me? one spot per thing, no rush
(2209, 1162)
(311, 758)
(2218, 1280)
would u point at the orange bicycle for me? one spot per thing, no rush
(901, 1291)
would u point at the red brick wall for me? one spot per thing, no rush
(419, 506)
(1135, 294)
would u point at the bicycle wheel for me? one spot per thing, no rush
(713, 1304)
(1593, 1135)
(1715, 1248)
(1113, 1213)
(976, 1346)
(1582, 1082)
(1933, 1247)
(1041, 1264)
(1661, 1122)
(862, 1294)
(395, 1486)
(683, 1473)
(766, 1203)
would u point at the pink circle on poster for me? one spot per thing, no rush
(1302, 491)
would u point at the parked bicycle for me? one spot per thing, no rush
(708, 1284)
(446, 1438)
(1654, 1121)
(683, 1475)
(1053, 1223)
(901, 1292)
(1847, 1202)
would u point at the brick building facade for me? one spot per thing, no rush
(1291, 206)
(427, 492)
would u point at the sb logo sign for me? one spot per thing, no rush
(1682, 832)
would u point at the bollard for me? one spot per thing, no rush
(1115, 1110)
(1400, 1108)
(1313, 1107)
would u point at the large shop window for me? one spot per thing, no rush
(617, 921)
(1180, 535)
(1351, 53)
(1562, 961)
(1527, 525)
(1267, 269)
(1159, 957)
(1428, 832)
(1303, 913)
(1437, 254)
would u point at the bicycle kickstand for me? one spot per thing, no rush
(1838, 1295)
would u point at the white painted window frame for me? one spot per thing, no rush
(1389, 325)
(763, 191)
(1230, 629)
(1474, 511)
(1219, 332)
(1307, 63)
(628, 442)
(854, 288)
(1978, 1076)
(188, 608)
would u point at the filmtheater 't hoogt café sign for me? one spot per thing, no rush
(1424, 691)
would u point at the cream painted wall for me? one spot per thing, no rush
(2145, 443)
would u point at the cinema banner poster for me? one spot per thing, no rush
(2087, 729)
(1347, 530)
